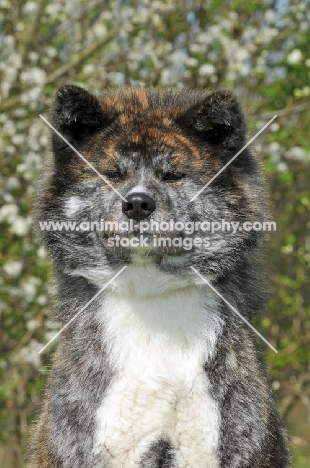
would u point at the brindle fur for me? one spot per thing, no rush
(142, 135)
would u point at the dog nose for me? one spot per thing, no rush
(138, 206)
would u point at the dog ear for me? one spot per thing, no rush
(218, 119)
(76, 113)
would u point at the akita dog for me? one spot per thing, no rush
(157, 370)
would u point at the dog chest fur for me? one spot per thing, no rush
(157, 345)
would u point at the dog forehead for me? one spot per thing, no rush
(150, 133)
(128, 101)
(159, 145)
(145, 123)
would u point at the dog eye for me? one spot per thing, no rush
(114, 175)
(172, 176)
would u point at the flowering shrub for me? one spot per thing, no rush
(257, 49)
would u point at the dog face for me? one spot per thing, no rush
(157, 149)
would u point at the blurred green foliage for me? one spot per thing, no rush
(257, 49)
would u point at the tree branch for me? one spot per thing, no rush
(67, 25)
(80, 57)
(286, 111)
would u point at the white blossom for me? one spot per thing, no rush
(20, 26)
(33, 324)
(270, 15)
(7, 212)
(282, 166)
(41, 252)
(20, 226)
(89, 68)
(42, 300)
(33, 75)
(30, 8)
(303, 92)
(119, 78)
(33, 56)
(18, 139)
(31, 354)
(99, 30)
(12, 183)
(191, 62)
(207, 69)
(29, 291)
(276, 385)
(14, 61)
(20, 112)
(195, 48)
(8, 198)
(242, 54)
(274, 127)
(274, 147)
(8, 41)
(53, 8)
(52, 325)
(51, 51)
(294, 57)
(13, 268)
(298, 153)
(166, 76)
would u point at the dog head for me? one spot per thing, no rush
(143, 158)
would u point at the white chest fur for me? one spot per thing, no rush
(157, 346)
